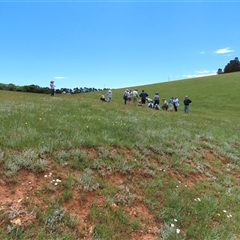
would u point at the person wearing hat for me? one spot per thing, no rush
(125, 96)
(186, 103)
(103, 98)
(135, 96)
(109, 94)
(52, 87)
(165, 104)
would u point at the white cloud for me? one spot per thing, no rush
(224, 50)
(202, 73)
(60, 78)
(202, 52)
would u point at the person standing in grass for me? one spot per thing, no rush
(109, 94)
(176, 103)
(52, 87)
(186, 103)
(170, 104)
(125, 96)
(143, 95)
(135, 96)
(129, 98)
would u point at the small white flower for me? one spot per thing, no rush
(175, 220)
(55, 183)
(224, 211)
(199, 199)
(53, 180)
(177, 230)
(171, 225)
(45, 176)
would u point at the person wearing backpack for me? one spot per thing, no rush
(151, 105)
(156, 107)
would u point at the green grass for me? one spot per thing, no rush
(112, 157)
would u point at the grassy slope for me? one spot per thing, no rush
(165, 162)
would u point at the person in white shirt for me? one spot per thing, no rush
(135, 96)
(176, 103)
(109, 94)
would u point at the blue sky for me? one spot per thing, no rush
(115, 44)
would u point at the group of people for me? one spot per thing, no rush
(109, 97)
(170, 105)
(154, 103)
(130, 96)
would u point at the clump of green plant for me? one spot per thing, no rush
(27, 160)
(87, 181)
(168, 232)
(136, 225)
(1, 156)
(123, 166)
(55, 220)
(40, 165)
(110, 223)
(15, 232)
(15, 212)
(124, 196)
(62, 156)
(78, 160)
(68, 193)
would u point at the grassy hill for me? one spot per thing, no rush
(73, 167)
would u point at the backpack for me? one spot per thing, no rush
(156, 107)
(150, 105)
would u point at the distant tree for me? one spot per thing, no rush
(76, 90)
(37, 89)
(58, 91)
(232, 66)
(11, 87)
(220, 71)
(3, 86)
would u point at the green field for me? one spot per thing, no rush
(73, 167)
